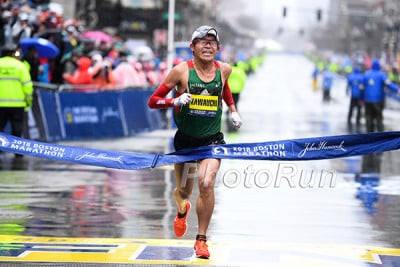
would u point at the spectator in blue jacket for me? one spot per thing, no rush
(375, 81)
(354, 88)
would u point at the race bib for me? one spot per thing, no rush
(203, 105)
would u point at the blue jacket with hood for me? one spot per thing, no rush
(374, 83)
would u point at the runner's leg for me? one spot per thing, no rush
(205, 203)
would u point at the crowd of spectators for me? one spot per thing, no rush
(86, 63)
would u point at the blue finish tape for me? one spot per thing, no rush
(316, 148)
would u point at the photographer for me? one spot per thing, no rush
(101, 73)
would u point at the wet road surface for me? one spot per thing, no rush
(334, 222)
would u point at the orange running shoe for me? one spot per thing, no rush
(180, 224)
(201, 248)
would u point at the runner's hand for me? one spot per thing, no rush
(182, 99)
(236, 121)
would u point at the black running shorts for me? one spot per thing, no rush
(182, 141)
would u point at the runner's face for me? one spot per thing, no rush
(205, 48)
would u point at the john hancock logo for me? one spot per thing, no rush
(323, 145)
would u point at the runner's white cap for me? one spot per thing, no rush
(203, 31)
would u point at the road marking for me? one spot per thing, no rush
(180, 252)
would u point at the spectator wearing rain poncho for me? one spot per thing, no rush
(125, 75)
(81, 76)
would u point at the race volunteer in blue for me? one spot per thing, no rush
(354, 86)
(375, 81)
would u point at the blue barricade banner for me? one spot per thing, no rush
(139, 117)
(50, 113)
(317, 148)
(105, 114)
(94, 115)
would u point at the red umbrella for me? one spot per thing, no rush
(97, 36)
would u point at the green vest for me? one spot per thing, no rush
(202, 116)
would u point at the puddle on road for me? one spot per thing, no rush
(43, 198)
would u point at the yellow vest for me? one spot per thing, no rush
(237, 79)
(16, 86)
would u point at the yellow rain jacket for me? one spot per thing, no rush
(237, 79)
(16, 86)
